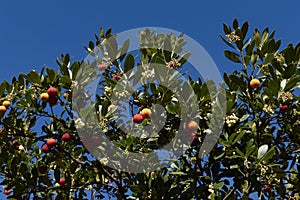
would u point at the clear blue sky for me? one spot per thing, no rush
(33, 33)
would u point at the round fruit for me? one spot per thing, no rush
(102, 67)
(2, 109)
(53, 100)
(44, 97)
(146, 112)
(66, 95)
(254, 83)
(42, 169)
(284, 108)
(51, 142)
(66, 137)
(116, 77)
(52, 91)
(6, 104)
(62, 181)
(191, 126)
(111, 107)
(138, 118)
(7, 192)
(45, 148)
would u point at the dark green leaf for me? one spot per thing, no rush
(234, 57)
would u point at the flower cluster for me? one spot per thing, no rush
(174, 63)
(147, 73)
(233, 37)
(231, 119)
(268, 109)
(285, 96)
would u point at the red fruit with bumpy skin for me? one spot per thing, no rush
(66, 137)
(51, 142)
(42, 169)
(7, 192)
(284, 108)
(102, 67)
(62, 181)
(45, 148)
(116, 77)
(138, 118)
(52, 100)
(52, 92)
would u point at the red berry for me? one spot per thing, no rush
(102, 67)
(62, 181)
(52, 100)
(284, 108)
(116, 77)
(66, 137)
(52, 92)
(45, 148)
(138, 118)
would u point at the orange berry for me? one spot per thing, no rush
(146, 112)
(7, 192)
(44, 97)
(2, 109)
(6, 104)
(51, 142)
(254, 83)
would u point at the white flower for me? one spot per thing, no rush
(104, 161)
(231, 119)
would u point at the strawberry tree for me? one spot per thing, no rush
(50, 147)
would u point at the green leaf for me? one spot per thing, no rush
(184, 57)
(123, 50)
(268, 155)
(234, 57)
(2, 87)
(235, 24)
(289, 71)
(239, 136)
(256, 38)
(291, 83)
(129, 63)
(262, 151)
(244, 28)
(226, 29)
(34, 77)
(268, 58)
(167, 49)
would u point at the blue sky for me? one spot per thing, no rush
(34, 33)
